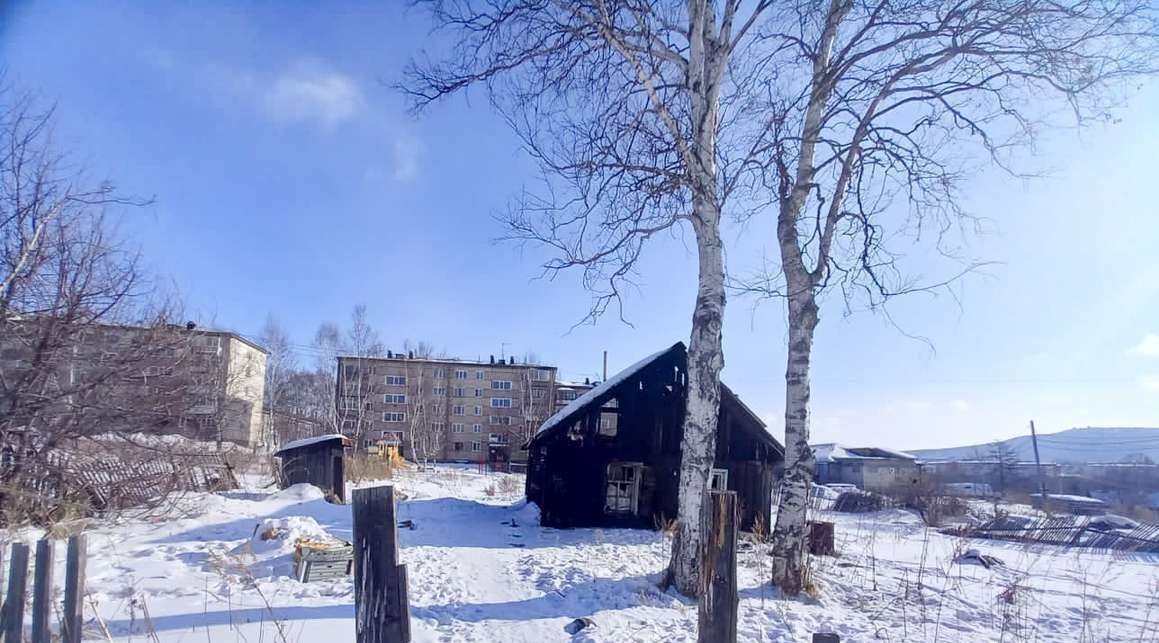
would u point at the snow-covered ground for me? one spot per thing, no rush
(477, 576)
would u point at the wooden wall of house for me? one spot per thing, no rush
(320, 465)
(567, 476)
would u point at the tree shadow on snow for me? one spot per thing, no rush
(576, 601)
(197, 620)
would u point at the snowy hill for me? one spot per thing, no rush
(1091, 444)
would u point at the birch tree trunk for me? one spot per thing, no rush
(705, 352)
(790, 566)
(698, 445)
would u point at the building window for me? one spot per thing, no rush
(458, 446)
(391, 416)
(500, 402)
(440, 373)
(457, 427)
(396, 380)
(347, 425)
(623, 492)
(438, 426)
(368, 443)
(718, 480)
(540, 375)
(439, 390)
(478, 410)
(500, 420)
(460, 391)
(350, 370)
(349, 404)
(537, 394)
(394, 398)
(566, 395)
(476, 447)
(458, 410)
(607, 424)
(476, 428)
(497, 438)
(501, 385)
(479, 375)
(460, 374)
(478, 392)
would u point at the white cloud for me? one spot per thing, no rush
(405, 153)
(1149, 347)
(1150, 382)
(308, 92)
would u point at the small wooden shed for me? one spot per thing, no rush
(317, 461)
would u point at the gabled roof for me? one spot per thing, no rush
(833, 452)
(576, 407)
(305, 442)
(567, 413)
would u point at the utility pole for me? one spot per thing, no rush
(1038, 465)
(605, 367)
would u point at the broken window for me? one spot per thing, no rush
(623, 493)
(718, 480)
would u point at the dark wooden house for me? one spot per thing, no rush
(612, 456)
(317, 461)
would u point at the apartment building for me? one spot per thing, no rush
(204, 384)
(447, 409)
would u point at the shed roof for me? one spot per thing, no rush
(305, 442)
(833, 452)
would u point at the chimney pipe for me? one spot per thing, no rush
(410, 355)
(492, 359)
(605, 366)
(389, 354)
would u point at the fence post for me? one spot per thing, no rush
(42, 592)
(14, 601)
(381, 610)
(74, 587)
(718, 597)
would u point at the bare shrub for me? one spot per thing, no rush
(363, 466)
(932, 503)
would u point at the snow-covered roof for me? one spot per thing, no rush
(305, 442)
(613, 381)
(1072, 499)
(833, 452)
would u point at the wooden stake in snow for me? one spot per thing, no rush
(14, 601)
(74, 588)
(381, 611)
(718, 598)
(42, 593)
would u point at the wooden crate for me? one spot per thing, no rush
(314, 561)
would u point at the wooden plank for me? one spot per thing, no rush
(72, 620)
(717, 609)
(14, 601)
(42, 593)
(380, 601)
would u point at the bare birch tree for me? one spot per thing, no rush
(877, 111)
(281, 365)
(630, 112)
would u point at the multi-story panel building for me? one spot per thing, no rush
(204, 384)
(448, 409)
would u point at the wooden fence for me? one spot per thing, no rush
(1070, 531)
(15, 596)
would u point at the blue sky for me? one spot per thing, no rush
(289, 179)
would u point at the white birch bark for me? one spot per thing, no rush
(790, 562)
(705, 353)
